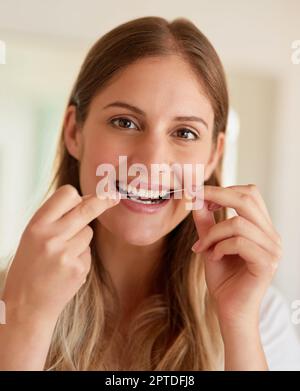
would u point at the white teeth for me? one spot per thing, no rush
(144, 201)
(143, 192)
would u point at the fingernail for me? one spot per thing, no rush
(114, 201)
(212, 206)
(114, 197)
(196, 246)
(200, 246)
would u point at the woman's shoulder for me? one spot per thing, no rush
(278, 334)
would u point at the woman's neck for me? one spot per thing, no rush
(131, 267)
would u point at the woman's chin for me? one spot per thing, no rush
(138, 237)
(138, 233)
(140, 241)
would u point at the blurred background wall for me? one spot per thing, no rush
(45, 44)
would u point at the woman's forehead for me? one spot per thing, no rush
(166, 85)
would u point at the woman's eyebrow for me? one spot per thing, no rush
(141, 112)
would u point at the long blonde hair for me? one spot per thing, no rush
(176, 328)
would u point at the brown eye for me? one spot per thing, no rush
(187, 134)
(123, 122)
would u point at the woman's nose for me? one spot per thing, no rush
(152, 150)
(153, 155)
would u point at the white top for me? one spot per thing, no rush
(278, 334)
(280, 341)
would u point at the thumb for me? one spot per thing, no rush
(204, 219)
(111, 194)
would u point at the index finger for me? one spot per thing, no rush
(90, 208)
(64, 199)
(258, 198)
(242, 203)
(204, 219)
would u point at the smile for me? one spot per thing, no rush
(143, 196)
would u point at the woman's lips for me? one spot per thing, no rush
(139, 207)
(144, 208)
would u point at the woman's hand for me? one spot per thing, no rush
(53, 257)
(50, 265)
(241, 255)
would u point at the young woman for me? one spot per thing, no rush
(98, 283)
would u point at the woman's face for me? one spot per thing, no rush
(160, 89)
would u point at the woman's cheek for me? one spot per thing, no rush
(94, 155)
(87, 177)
